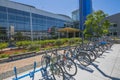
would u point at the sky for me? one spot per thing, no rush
(110, 7)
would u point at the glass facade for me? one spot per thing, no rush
(3, 25)
(43, 23)
(75, 15)
(21, 21)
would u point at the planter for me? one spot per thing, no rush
(2, 60)
(21, 56)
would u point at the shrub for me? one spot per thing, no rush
(3, 45)
(23, 44)
(51, 42)
(19, 44)
(58, 42)
(77, 39)
(42, 43)
(4, 55)
(65, 40)
(33, 47)
(71, 41)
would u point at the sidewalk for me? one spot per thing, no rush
(107, 67)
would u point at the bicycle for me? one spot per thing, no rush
(51, 67)
(66, 63)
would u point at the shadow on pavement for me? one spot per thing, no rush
(107, 52)
(68, 77)
(105, 75)
(85, 68)
(109, 49)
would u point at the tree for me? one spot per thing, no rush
(96, 24)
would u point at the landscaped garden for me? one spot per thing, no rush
(29, 46)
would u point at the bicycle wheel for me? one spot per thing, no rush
(44, 61)
(84, 59)
(100, 51)
(57, 72)
(92, 55)
(70, 67)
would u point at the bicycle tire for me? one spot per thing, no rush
(82, 57)
(56, 70)
(70, 65)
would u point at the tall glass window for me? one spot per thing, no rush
(19, 19)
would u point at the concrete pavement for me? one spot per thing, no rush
(106, 67)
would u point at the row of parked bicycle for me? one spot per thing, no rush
(60, 62)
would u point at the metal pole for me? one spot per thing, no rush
(31, 26)
(8, 28)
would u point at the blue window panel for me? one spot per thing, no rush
(3, 21)
(27, 20)
(26, 14)
(20, 27)
(27, 27)
(19, 18)
(18, 12)
(3, 24)
(2, 9)
(11, 17)
(13, 11)
(3, 16)
(34, 28)
(38, 16)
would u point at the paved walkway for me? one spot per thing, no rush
(107, 67)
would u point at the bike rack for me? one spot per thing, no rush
(32, 73)
(45, 74)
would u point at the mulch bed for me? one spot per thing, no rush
(13, 51)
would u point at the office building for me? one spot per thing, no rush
(115, 28)
(28, 20)
(85, 8)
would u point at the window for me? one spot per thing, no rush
(11, 17)
(3, 16)
(3, 23)
(114, 25)
(115, 33)
(2, 9)
(18, 12)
